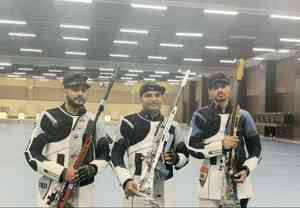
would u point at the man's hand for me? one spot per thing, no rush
(171, 158)
(241, 176)
(86, 171)
(70, 175)
(230, 142)
(131, 189)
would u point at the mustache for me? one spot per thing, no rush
(80, 99)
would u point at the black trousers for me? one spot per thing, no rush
(244, 203)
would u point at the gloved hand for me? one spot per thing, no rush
(171, 158)
(86, 171)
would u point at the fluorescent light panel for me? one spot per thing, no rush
(259, 58)
(13, 75)
(106, 69)
(31, 50)
(217, 47)
(227, 61)
(77, 68)
(155, 75)
(287, 17)
(75, 38)
(126, 78)
(290, 40)
(5, 64)
(22, 34)
(224, 12)
(284, 50)
(149, 79)
(135, 71)
(157, 57)
(162, 72)
(189, 34)
(147, 6)
(104, 77)
(78, 1)
(263, 49)
(243, 37)
(171, 45)
(55, 70)
(193, 59)
(77, 53)
(49, 74)
(126, 42)
(20, 73)
(13, 22)
(134, 31)
(25, 69)
(119, 55)
(81, 27)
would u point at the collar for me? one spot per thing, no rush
(149, 117)
(218, 110)
(80, 112)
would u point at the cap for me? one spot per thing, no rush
(74, 78)
(151, 86)
(217, 77)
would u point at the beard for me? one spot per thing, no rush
(76, 102)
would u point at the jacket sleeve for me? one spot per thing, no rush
(118, 152)
(39, 140)
(252, 140)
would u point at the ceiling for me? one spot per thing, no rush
(251, 28)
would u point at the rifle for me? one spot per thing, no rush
(229, 197)
(66, 190)
(162, 136)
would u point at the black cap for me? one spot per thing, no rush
(217, 77)
(74, 78)
(151, 86)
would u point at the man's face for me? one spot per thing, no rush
(151, 101)
(220, 92)
(76, 96)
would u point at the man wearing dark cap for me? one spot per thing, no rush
(137, 138)
(208, 142)
(57, 140)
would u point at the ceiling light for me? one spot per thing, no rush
(173, 80)
(55, 70)
(82, 27)
(277, 16)
(20, 73)
(119, 55)
(259, 58)
(126, 42)
(13, 22)
(135, 71)
(171, 45)
(149, 79)
(209, 11)
(2, 67)
(284, 51)
(25, 69)
(290, 40)
(77, 68)
(157, 57)
(134, 31)
(147, 6)
(38, 77)
(193, 59)
(5, 64)
(217, 47)
(78, 1)
(131, 75)
(226, 61)
(75, 53)
(22, 34)
(243, 37)
(106, 69)
(31, 50)
(162, 72)
(75, 38)
(13, 75)
(49, 74)
(155, 75)
(59, 78)
(189, 34)
(264, 49)
(104, 77)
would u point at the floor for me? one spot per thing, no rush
(276, 180)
